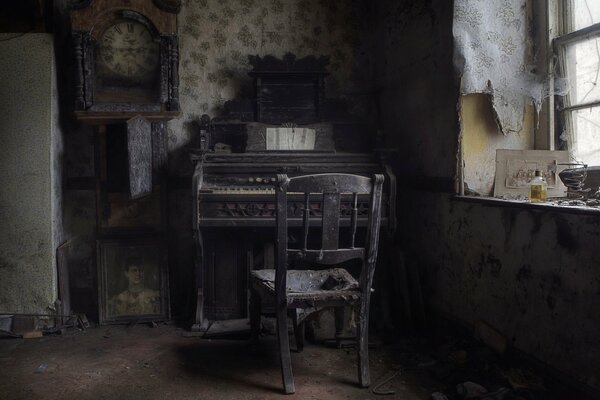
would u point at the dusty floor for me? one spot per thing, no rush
(140, 362)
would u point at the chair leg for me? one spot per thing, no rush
(255, 313)
(363, 343)
(284, 350)
(298, 332)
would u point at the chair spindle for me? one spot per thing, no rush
(330, 221)
(354, 217)
(306, 219)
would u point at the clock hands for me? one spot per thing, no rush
(128, 50)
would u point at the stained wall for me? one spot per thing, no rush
(530, 274)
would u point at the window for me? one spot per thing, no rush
(578, 50)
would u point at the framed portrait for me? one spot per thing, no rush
(132, 280)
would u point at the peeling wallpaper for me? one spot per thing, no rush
(494, 55)
(216, 37)
(481, 138)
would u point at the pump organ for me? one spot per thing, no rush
(233, 191)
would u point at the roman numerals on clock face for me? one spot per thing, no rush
(128, 50)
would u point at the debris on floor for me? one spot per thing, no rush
(30, 326)
(478, 368)
(378, 387)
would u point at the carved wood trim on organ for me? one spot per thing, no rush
(289, 89)
(266, 209)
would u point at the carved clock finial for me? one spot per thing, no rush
(289, 63)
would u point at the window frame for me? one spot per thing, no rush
(561, 113)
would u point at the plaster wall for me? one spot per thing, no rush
(30, 166)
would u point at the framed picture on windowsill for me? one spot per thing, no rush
(132, 280)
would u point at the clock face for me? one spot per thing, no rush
(127, 53)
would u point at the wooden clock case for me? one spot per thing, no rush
(100, 103)
(129, 117)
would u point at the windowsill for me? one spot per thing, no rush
(551, 206)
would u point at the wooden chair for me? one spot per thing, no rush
(325, 284)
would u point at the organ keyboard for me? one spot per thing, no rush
(236, 189)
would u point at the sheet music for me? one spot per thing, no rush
(290, 139)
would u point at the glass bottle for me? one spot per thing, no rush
(538, 188)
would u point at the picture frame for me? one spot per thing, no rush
(132, 280)
(515, 168)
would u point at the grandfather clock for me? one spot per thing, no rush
(126, 85)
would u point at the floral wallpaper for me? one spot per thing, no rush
(216, 37)
(493, 52)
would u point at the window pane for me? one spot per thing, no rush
(585, 13)
(585, 145)
(583, 61)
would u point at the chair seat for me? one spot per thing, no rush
(318, 286)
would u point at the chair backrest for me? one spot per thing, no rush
(331, 188)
